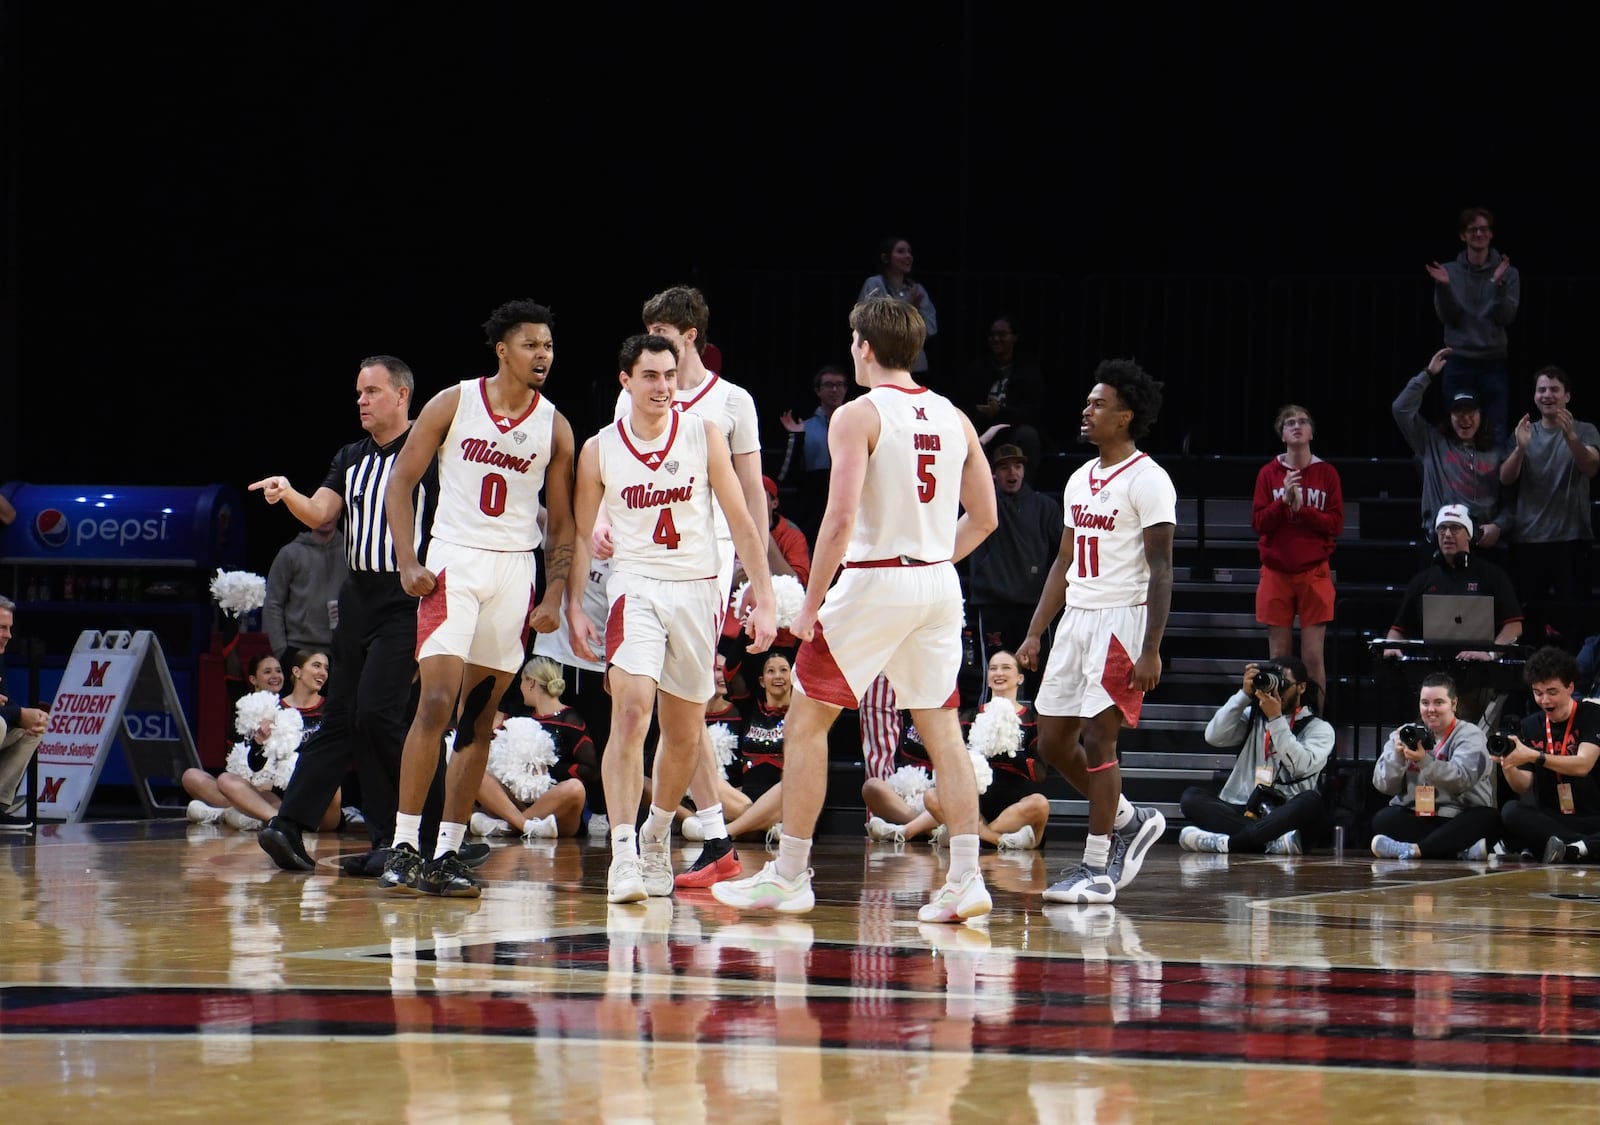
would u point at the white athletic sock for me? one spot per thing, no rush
(406, 830)
(711, 820)
(1582, 848)
(1124, 812)
(623, 841)
(1097, 851)
(659, 824)
(963, 856)
(450, 837)
(794, 856)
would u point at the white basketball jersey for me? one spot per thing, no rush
(558, 645)
(490, 472)
(911, 497)
(734, 412)
(1108, 511)
(658, 496)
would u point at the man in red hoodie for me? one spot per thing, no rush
(1298, 513)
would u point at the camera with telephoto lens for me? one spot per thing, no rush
(1499, 744)
(1268, 678)
(1416, 736)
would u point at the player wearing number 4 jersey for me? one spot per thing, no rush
(904, 461)
(660, 474)
(499, 442)
(1114, 576)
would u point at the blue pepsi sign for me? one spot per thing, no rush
(127, 525)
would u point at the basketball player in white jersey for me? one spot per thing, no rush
(499, 441)
(660, 474)
(905, 461)
(1114, 575)
(680, 315)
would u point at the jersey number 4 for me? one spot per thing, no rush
(666, 532)
(1088, 555)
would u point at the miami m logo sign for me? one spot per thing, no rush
(50, 790)
(97, 673)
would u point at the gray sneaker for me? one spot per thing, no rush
(1130, 844)
(655, 864)
(1083, 885)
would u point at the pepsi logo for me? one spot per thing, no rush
(51, 528)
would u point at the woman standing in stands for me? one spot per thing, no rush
(894, 280)
(1459, 458)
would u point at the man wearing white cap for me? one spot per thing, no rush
(1454, 571)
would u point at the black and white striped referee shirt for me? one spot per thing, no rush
(360, 474)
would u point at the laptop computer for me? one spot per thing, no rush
(1466, 619)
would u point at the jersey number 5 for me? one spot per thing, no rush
(492, 495)
(925, 479)
(666, 532)
(1088, 553)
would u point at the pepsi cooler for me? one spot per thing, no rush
(126, 557)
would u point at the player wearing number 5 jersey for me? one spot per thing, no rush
(499, 442)
(1114, 574)
(904, 462)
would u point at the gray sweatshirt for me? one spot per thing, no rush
(1474, 310)
(1460, 771)
(1452, 473)
(302, 589)
(1296, 759)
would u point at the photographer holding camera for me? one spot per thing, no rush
(1270, 799)
(1550, 765)
(1439, 773)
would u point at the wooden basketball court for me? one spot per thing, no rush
(159, 971)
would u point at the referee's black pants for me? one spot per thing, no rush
(366, 714)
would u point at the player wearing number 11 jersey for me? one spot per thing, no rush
(499, 441)
(1114, 575)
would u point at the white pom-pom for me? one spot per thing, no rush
(982, 771)
(238, 764)
(787, 598)
(996, 731)
(520, 758)
(724, 743)
(254, 709)
(909, 783)
(237, 592)
(285, 728)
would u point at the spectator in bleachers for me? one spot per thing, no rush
(1442, 780)
(1550, 765)
(1454, 571)
(302, 606)
(1460, 459)
(1551, 464)
(808, 440)
(1298, 512)
(1270, 801)
(21, 728)
(893, 279)
(1475, 297)
(1008, 569)
(1005, 396)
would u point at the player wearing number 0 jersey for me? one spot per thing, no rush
(904, 462)
(1114, 575)
(498, 440)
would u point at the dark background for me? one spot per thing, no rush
(210, 215)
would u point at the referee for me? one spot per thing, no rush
(376, 639)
